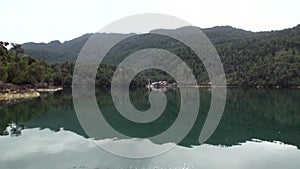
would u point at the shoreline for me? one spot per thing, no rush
(49, 89)
(19, 95)
(33, 93)
(240, 87)
(26, 94)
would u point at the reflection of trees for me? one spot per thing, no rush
(263, 114)
(25, 110)
(139, 99)
(282, 106)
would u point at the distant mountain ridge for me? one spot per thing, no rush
(250, 58)
(57, 52)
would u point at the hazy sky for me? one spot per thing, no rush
(46, 20)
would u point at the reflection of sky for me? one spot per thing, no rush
(64, 149)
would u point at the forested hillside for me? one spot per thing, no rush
(250, 58)
(27, 72)
(55, 51)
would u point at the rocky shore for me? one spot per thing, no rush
(23, 95)
(10, 91)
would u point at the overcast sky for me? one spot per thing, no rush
(43, 21)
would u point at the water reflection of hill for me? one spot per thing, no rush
(262, 114)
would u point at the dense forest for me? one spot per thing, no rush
(20, 71)
(251, 59)
(17, 68)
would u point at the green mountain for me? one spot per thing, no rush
(55, 51)
(250, 58)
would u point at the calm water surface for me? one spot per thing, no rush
(259, 129)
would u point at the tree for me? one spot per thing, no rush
(17, 48)
(3, 73)
(294, 52)
(3, 49)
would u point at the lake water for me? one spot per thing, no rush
(259, 129)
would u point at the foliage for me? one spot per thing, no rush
(263, 59)
(23, 70)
